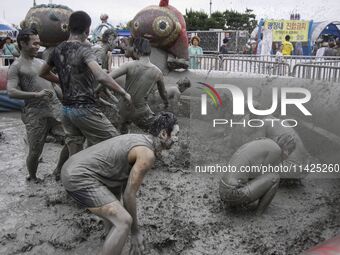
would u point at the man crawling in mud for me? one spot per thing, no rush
(141, 77)
(42, 108)
(240, 188)
(97, 176)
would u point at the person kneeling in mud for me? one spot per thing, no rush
(96, 176)
(240, 188)
(173, 94)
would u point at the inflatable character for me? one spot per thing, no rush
(51, 22)
(329, 247)
(165, 27)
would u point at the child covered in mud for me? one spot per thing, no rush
(241, 188)
(97, 176)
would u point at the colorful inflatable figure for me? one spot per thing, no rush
(51, 22)
(329, 247)
(165, 27)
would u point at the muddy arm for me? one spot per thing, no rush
(46, 73)
(58, 91)
(162, 91)
(144, 161)
(105, 79)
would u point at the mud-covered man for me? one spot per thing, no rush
(97, 176)
(238, 188)
(104, 50)
(42, 108)
(78, 74)
(141, 77)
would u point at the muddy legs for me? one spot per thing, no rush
(263, 188)
(117, 236)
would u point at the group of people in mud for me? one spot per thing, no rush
(112, 166)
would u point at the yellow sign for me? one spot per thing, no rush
(296, 29)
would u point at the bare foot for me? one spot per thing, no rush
(34, 179)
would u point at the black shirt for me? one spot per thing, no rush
(76, 80)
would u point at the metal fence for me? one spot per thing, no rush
(3, 57)
(317, 72)
(255, 66)
(118, 59)
(206, 62)
(307, 67)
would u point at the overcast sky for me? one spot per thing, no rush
(121, 11)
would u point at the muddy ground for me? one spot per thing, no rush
(179, 210)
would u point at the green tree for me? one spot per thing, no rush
(195, 20)
(230, 19)
(240, 21)
(216, 20)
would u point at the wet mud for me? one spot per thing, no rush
(179, 210)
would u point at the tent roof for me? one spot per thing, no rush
(5, 26)
(319, 27)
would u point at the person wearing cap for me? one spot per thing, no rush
(194, 52)
(287, 46)
(241, 187)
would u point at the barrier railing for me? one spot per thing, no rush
(317, 72)
(205, 62)
(255, 66)
(118, 59)
(297, 66)
(3, 57)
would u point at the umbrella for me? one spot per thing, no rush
(7, 29)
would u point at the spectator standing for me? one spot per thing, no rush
(194, 51)
(287, 46)
(330, 50)
(321, 51)
(298, 49)
(224, 46)
(9, 50)
(337, 46)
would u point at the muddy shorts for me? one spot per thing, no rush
(142, 116)
(94, 197)
(85, 121)
(37, 126)
(233, 196)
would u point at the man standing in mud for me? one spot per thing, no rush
(97, 176)
(141, 77)
(78, 73)
(42, 108)
(240, 187)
